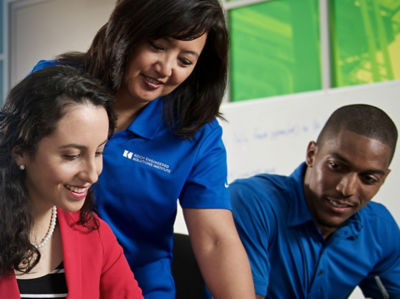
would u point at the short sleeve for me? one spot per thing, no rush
(206, 185)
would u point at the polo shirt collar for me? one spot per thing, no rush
(299, 213)
(351, 229)
(149, 121)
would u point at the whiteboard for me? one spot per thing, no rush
(272, 134)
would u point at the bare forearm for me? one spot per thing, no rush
(220, 254)
(226, 271)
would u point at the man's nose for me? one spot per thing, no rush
(348, 184)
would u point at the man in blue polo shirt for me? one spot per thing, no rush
(315, 233)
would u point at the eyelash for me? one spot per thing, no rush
(333, 165)
(73, 157)
(70, 157)
(369, 180)
(156, 47)
(184, 61)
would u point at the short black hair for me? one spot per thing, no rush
(363, 119)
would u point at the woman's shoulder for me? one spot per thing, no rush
(212, 128)
(212, 125)
(72, 220)
(42, 64)
(94, 228)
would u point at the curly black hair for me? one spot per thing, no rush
(31, 111)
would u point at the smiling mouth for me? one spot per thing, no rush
(152, 81)
(339, 203)
(76, 189)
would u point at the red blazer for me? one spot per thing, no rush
(95, 266)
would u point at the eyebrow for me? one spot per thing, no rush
(79, 146)
(373, 171)
(192, 53)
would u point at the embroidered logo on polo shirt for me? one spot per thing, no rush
(147, 161)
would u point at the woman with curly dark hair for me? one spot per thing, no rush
(53, 128)
(166, 63)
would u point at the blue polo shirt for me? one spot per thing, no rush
(146, 168)
(288, 255)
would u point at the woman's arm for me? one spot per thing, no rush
(219, 252)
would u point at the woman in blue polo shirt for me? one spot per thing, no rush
(166, 62)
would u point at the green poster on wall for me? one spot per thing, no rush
(275, 45)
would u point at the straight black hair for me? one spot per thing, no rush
(197, 100)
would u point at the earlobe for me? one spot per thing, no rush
(19, 156)
(311, 151)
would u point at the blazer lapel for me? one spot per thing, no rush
(71, 254)
(9, 287)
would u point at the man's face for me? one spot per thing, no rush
(343, 175)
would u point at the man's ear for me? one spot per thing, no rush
(311, 152)
(19, 155)
(386, 175)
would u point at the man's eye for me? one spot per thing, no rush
(333, 165)
(369, 180)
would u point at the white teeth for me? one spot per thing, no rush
(151, 80)
(336, 204)
(76, 189)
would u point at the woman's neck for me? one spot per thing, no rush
(41, 219)
(51, 253)
(126, 110)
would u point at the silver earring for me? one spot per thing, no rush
(22, 167)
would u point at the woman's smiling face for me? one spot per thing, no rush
(68, 161)
(157, 67)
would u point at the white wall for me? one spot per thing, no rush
(42, 29)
